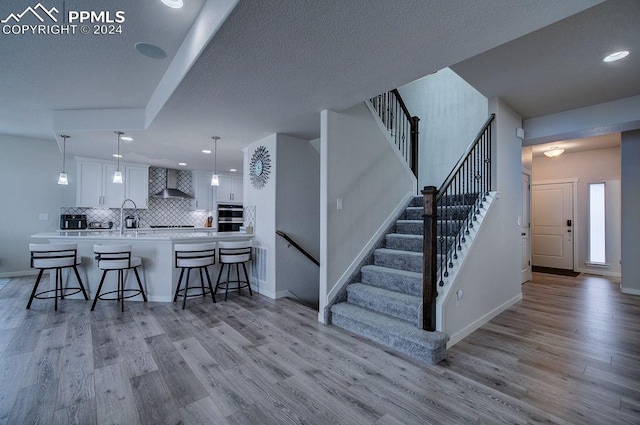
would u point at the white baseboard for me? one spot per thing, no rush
(629, 291)
(467, 330)
(19, 273)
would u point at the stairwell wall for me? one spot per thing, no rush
(298, 215)
(490, 278)
(451, 113)
(358, 166)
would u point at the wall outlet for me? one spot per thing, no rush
(339, 203)
(43, 217)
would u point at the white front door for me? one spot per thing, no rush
(525, 227)
(552, 225)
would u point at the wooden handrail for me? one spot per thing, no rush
(298, 247)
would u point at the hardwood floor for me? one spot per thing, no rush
(569, 353)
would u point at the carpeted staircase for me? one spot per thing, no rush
(385, 306)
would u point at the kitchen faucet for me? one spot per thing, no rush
(135, 214)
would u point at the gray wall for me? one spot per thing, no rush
(630, 149)
(29, 174)
(361, 167)
(298, 214)
(451, 114)
(490, 278)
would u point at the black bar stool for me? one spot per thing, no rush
(117, 257)
(55, 256)
(194, 256)
(229, 253)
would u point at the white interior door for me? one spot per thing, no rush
(525, 226)
(552, 225)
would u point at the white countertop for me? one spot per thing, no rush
(144, 235)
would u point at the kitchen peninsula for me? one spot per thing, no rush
(158, 273)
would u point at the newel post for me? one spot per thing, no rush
(429, 250)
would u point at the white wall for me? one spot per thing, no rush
(490, 279)
(451, 113)
(595, 166)
(29, 171)
(298, 215)
(595, 120)
(359, 166)
(264, 201)
(630, 150)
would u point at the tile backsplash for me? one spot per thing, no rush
(160, 212)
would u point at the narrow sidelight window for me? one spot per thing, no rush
(597, 223)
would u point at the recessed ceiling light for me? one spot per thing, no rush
(175, 4)
(182, 164)
(616, 56)
(115, 155)
(150, 50)
(126, 138)
(206, 151)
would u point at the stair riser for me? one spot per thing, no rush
(404, 244)
(399, 261)
(451, 227)
(390, 307)
(393, 282)
(451, 212)
(428, 355)
(418, 201)
(413, 245)
(410, 228)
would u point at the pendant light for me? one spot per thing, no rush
(117, 176)
(215, 181)
(62, 179)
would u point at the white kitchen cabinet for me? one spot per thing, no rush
(230, 189)
(96, 189)
(137, 184)
(202, 191)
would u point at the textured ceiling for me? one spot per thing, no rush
(560, 67)
(271, 67)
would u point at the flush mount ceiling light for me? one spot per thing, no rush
(215, 181)
(616, 56)
(150, 50)
(182, 164)
(126, 139)
(206, 151)
(62, 178)
(117, 175)
(554, 151)
(174, 4)
(233, 170)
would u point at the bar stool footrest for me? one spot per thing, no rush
(132, 293)
(223, 285)
(207, 291)
(39, 296)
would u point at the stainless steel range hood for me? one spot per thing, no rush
(171, 190)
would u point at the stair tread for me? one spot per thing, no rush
(398, 252)
(385, 293)
(383, 269)
(397, 328)
(404, 235)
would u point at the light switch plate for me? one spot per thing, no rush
(43, 217)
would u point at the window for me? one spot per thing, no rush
(597, 243)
